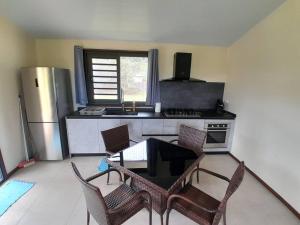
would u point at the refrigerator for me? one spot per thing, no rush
(47, 97)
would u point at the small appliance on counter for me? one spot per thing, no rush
(157, 107)
(92, 110)
(220, 105)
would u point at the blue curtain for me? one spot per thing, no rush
(80, 85)
(153, 91)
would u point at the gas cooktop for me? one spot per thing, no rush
(182, 113)
(191, 113)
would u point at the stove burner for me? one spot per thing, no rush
(182, 113)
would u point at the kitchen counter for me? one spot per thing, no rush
(84, 130)
(151, 115)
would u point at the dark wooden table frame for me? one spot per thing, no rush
(158, 194)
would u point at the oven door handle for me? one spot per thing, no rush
(220, 130)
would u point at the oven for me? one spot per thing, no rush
(217, 135)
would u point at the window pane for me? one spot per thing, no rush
(104, 79)
(105, 73)
(106, 97)
(134, 78)
(104, 61)
(105, 85)
(104, 67)
(105, 91)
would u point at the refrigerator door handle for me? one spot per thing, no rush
(36, 82)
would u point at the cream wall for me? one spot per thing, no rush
(17, 50)
(208, 63)
(263, 88)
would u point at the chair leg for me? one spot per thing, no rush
(167, 217)
(108, 176)
(224, 216)
(198, 174)
(88, 217)
(161, 219)
(150, 216)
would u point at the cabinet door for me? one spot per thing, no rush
(134, 128)
(83, 136)
(195, 123)
(105, 124)
(171, 126)
(152, 126)
(166, 138)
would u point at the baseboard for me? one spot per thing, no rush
(9, 175)
(12, 172)
(216, 153)
(88, 154)
(278, 196)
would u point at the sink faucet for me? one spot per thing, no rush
(122, 99)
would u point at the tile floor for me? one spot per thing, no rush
(56, 199)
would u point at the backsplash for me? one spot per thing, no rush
(190, 94)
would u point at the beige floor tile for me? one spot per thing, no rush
(56, 198)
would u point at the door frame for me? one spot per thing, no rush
(3, 169)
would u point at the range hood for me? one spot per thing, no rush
(182, 68)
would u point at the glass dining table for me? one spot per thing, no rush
(156, 166)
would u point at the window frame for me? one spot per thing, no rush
(88, 54)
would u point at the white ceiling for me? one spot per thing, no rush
(208, 22)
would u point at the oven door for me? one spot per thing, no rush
(217, 138)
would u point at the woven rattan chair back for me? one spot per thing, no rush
(191, 138)
(94, 200)
(116, 139)
(234, 183)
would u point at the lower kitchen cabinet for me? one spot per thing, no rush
(134, 128)
(152, 126)
(83, 136)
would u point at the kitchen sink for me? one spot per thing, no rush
(119, 112)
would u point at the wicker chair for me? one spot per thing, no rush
(191, 138)
(116, 140)
(201, 207)
(116, 207)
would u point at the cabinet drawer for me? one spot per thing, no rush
(166, 138)
(152, 126)
(105, 124)
(171, 126)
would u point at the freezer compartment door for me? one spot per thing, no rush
(39, 94)
(63, 92)
(46, 141)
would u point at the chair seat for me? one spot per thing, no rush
(118, 196)
(200, 198)
(124, 195)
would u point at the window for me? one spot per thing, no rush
(116, 76)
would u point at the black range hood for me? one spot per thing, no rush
(182, 67)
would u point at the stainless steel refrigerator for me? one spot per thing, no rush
(47, 96)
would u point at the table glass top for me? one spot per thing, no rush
(158, 161)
